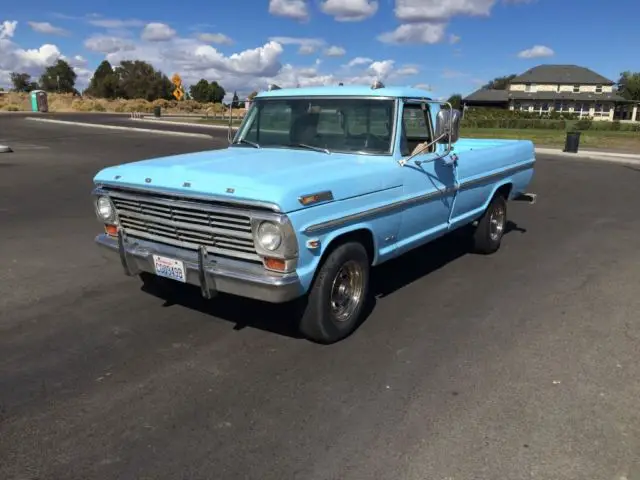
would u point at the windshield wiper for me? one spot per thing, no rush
(248, 142)
(311, 147)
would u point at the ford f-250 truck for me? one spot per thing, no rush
(317, 186)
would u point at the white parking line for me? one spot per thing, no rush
(118, 127)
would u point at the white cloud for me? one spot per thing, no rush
(359, 61)
(193, 59)
(537, 51)
(217, 38)
(157, 32)
(306, 46)
(414, 33)
(335, 51)
(106, 44)
(47, 28)
(113, 23)
(294, 9)
(425, 21)
(7, 29)
(424, 86)
(16, 59)
(350, 10)
(439, 10)
(407, 70)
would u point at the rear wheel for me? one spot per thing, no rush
(339, 293)
(487, 236)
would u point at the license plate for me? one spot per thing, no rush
(169, 268)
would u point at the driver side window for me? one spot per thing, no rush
(416, 128)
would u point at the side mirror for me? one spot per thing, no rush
(448, 126)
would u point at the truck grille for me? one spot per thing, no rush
(186, 224)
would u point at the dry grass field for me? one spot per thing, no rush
(20, 102)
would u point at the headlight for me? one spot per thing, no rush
(269, 236)
(104, 208)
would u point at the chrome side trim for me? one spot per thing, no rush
(384, 209)
(494, 176)
(114, 188)
(329, 224)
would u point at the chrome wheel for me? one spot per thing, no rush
(497, 222)
(347, 290)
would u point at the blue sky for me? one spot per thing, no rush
(452, 46)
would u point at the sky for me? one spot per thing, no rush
(445, 46)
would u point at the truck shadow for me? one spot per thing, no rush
(282, 319)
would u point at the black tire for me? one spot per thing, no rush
(487, 236)
(320, 322)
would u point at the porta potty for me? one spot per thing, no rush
(39, 101)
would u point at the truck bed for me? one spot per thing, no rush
(468, 144)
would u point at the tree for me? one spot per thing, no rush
(499, 83)
(138, 79)
(217, 93)
(59, 77)
(104, 83)
(201, 91)
(629, 85)
(456, 101)
(22, 82)
(235, 101)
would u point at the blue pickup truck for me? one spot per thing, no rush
(317, 186)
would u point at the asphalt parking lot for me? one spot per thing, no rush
(519, 365)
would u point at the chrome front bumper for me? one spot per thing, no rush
(211, 274)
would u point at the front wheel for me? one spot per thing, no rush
(487, 236)
(339, 293)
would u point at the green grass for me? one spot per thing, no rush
(599, 139)
(613, 140)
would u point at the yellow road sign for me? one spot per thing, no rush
(176, 80)
(178, 93)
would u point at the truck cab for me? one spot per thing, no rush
(317, 186)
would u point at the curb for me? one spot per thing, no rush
(623, 158)
(184, 124)
(5, 149)
(118, 127)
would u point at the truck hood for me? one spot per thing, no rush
(273, 175)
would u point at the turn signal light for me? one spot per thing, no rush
(111, 230)
(274, 264)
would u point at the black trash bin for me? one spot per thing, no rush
(156, 111)
(572, 142)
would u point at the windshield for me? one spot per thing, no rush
(323, 124)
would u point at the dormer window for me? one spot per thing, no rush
(598, 88)
(576, 89)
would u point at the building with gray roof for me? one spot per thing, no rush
(560, 88)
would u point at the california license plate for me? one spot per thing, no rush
(169, 268)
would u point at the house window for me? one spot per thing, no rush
(558, 107)
(576, 89)
(598, 88)
(545, 107)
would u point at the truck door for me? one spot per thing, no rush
(428, 181)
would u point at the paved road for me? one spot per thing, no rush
(123, 120)
(515, 366)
